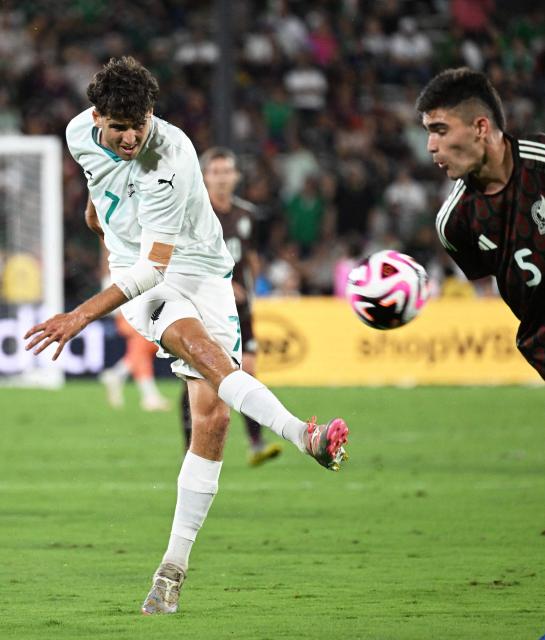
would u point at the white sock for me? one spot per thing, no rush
(197, 486)
(121, 369)
(247, 395)
(148, 388)
(178, 551)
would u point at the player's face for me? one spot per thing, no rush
(456, 147)
(124, 138)
(221, 177)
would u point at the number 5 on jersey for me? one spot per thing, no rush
(525, 265)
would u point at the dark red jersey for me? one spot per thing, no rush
(238, 233)
(503, 235)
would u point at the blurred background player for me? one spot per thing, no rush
(136, 363)
(221, 175)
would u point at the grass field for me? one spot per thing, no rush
(435, 529)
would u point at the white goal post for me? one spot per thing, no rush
(31, 253)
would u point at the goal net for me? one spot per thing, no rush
(31, 264)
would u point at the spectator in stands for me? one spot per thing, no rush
(410, 53)
(472, 16)
(407, 201)
(304, 213)
(278, 116)
(284, 273)
(297, 165)
(336, 99)
(307, 86)
(354, 199)
(322, 41)
(291, 32)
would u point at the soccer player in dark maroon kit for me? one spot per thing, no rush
(219, 167)
(493, 221)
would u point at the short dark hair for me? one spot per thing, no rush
(452, 87)
(216, 152)
(123, 89)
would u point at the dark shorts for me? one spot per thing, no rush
(249, 343)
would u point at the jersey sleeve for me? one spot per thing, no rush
(71, 141)
(456, 235)
(164, 190)
(78, 132)
(463, 250)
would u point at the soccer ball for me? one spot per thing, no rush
(387, 289)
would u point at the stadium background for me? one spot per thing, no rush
(435, 528)
(315, 97)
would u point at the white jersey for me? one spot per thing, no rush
(162, 190)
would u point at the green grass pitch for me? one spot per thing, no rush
(434, 530)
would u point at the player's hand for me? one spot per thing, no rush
(60, 328)
(240, 293)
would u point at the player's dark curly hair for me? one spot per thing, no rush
(452, 87)
(123, 89)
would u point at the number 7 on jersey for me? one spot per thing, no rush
(112, 207)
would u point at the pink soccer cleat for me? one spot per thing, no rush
(324, 442)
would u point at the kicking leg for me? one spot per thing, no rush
(189, 340)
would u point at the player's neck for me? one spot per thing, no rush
(497, 168)
(221, 203)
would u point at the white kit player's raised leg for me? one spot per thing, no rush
(251, 397)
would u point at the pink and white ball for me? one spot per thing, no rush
(387, 289)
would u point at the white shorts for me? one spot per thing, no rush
(209, 299)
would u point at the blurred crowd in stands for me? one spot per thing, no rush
(331, 150)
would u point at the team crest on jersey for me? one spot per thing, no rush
(538, 214)
(130, 189)
(155, 315)
(244, 227)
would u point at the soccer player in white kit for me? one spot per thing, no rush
(171, 271)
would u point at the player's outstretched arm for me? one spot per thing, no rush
(148, 271)
(64, 326)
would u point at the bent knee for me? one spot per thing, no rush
(198, 349)
(202, 351)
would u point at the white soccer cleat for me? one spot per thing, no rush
(155, 403)
(165, 591)
(114, 388)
